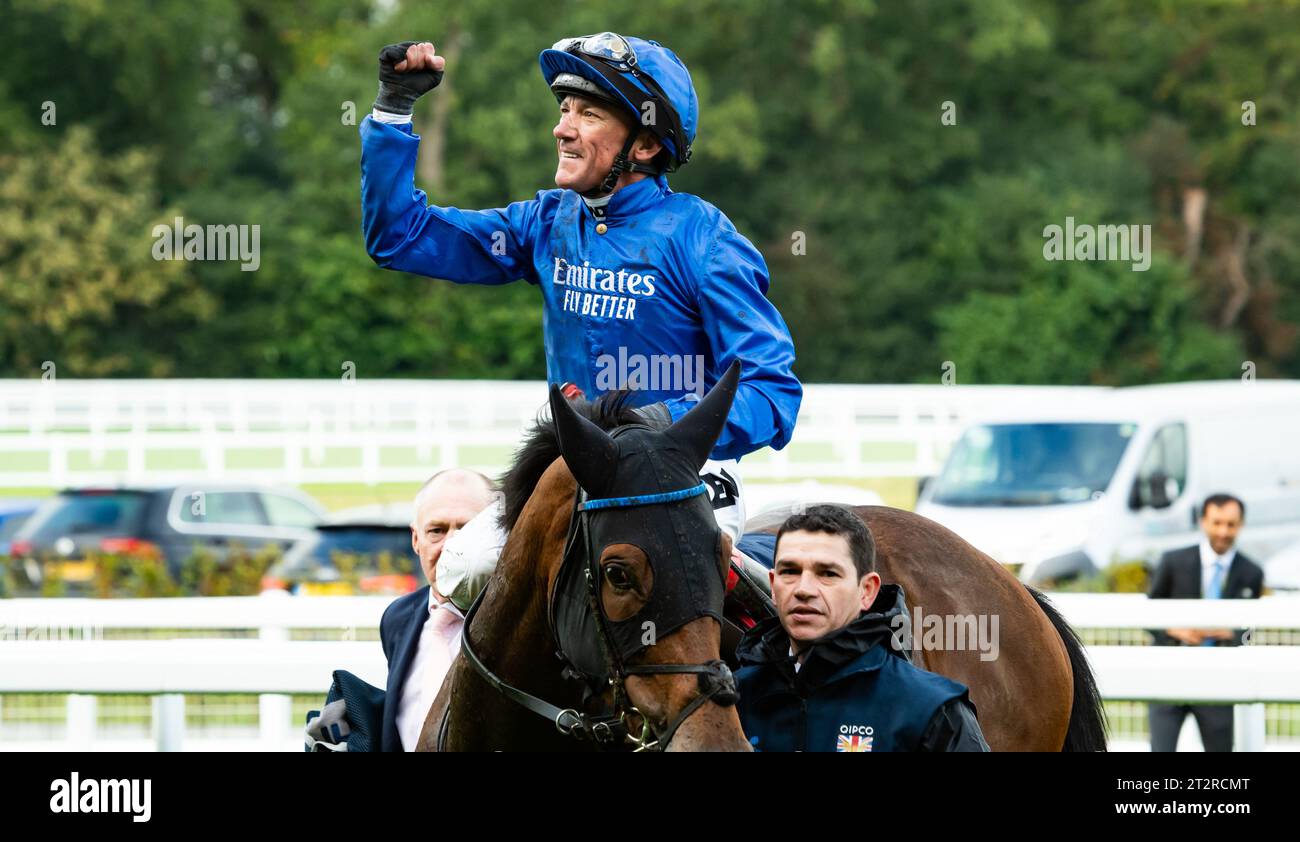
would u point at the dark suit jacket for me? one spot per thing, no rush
(399, 633)
(1179, 577)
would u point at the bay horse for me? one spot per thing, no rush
(601, 624)
(1039, 694)
(1043, 695)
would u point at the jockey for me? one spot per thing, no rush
(643, 288)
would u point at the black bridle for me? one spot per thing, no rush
(607, 729)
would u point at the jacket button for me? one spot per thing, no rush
(602, 228)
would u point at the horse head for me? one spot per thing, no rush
(636, 604)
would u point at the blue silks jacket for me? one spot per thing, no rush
(664, 300)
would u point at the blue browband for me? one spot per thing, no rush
(642, 499)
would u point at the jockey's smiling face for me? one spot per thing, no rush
(588, 136)
(816, 587)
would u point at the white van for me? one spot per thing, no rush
(1073, 488)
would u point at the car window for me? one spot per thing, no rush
(368, 540)
(286, 511)
(86, 513)
(1167, 457)
(1035, 464)
(9, 528)
(222, 507)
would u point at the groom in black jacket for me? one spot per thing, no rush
(829, 672)
(1212, 569)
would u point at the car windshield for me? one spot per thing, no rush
(1031, 464)
(71, 514)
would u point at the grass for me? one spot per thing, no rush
(27, 492)
(402, 456)
(335, 496)
(254, 457)
(21, 460)
(110, 460)
(895, 491)
(173, 459)
(888, 451)
(132, 711)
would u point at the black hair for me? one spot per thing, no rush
(836, 520)
(1223, 499)
(541, 447)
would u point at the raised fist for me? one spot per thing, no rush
(407, 71)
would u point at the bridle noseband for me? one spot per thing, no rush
(715, 680)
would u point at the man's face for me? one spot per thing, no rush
(588, 138)
(1221, 525)
(444, 508)
(816, 586)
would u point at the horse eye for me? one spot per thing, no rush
(617, 576)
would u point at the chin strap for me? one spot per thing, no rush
(623, 164)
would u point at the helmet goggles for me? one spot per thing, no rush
(608, 46)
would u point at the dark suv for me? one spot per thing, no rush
(373, 543)
(170, 522)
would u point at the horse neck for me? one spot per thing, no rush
(511, 634)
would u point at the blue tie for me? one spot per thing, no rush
(1216, 581)
(1215, 591)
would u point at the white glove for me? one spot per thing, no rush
(470, 556)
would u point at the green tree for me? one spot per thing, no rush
(894, 240)
(78, 283)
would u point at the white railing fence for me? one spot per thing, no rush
(56, 646)
(68, 432)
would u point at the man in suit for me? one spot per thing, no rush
(1211, 570)
(420, 632)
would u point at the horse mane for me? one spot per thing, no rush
(541, 447)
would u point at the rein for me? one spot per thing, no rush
(715, 680)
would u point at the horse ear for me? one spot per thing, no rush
(697, 431)
(587, 449)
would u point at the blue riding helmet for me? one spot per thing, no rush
(630, 73)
